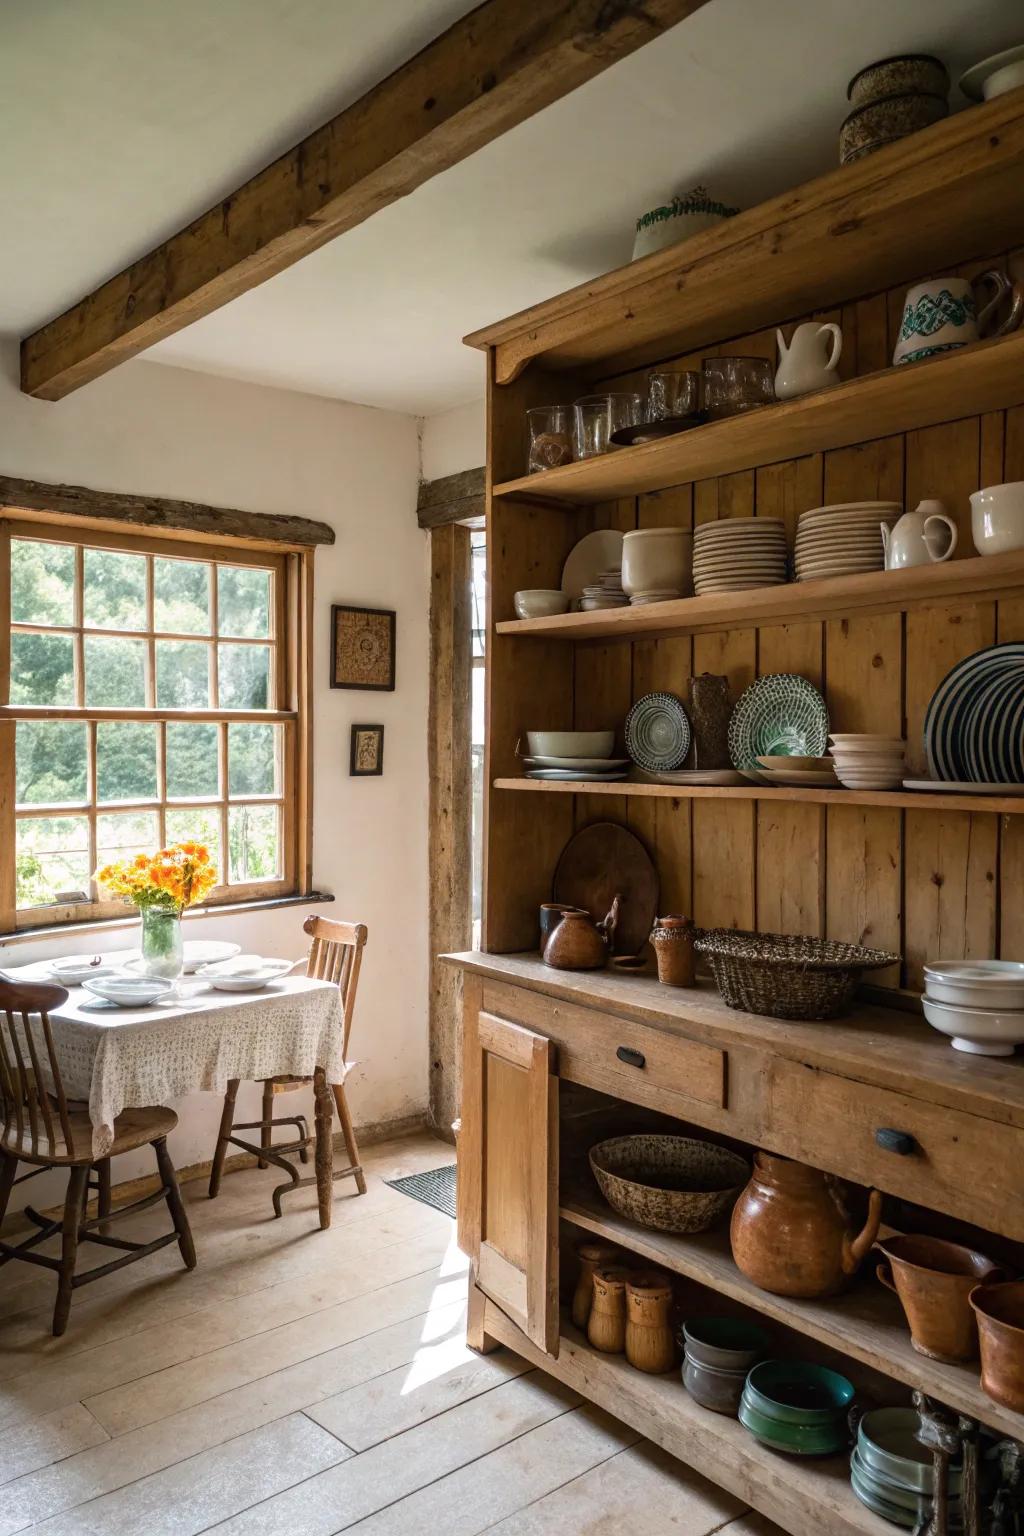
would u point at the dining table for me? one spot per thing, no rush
(195, 1040)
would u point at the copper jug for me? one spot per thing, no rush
(791, 1232)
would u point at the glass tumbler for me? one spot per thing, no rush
(550, 437)
(673, 393)
(735, 384)
(596, 417)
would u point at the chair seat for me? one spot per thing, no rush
(132, 1128)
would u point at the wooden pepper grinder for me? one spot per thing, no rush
(672, 942)
(650, 1346)
(591, 1256)
(939, 1431)
(606, 1326)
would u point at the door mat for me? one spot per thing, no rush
(436, 1188)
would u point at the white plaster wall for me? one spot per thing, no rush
(171, 432)
(454, 440)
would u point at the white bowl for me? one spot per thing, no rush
(997, 518)
(540, 603)
(129, 991)
(976, 983)
(74, 969)
(862, 742)
(678, 220)
(980, 1031)
(657, 560)
(571, 743)
(245, 973)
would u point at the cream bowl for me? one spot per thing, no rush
(657, 560)
(979, 1031)
(540, 603)
(997, 518)
(988, 984)
(571, 743)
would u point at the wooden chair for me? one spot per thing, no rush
(41, 1128)
(335, 955)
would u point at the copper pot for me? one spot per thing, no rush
(791, 1233)
(934, 1279)
(1000, 1313)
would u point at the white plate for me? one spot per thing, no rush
(579, 764)
(693, 776)
(963, 786)
(976, 983)
(245, 973)
(856, 739)
(196, 952)
(802, 778)
(129, 991)
(567, 776)
(972, 83)
(589, 559)
(74, 969)
(745, 584)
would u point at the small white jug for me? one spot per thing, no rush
(807, 363)
(918, 539)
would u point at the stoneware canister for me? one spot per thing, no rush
(1000, 1313)
(672, 942)
(650, 1345)
(934, 1279)
(791, 1233)
(591, 1256)
(606, 1326)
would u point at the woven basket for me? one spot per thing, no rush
(786, 977)
(673, 1183)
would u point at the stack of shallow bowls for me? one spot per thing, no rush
(979, 1002)
(789, 1405)
(737, 553)
(801, 772)
(869, 762)
(718, 1353)
(842, 540)
(891, 99)
(606, 592)
(891, 1471)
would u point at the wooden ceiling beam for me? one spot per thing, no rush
(493, 69)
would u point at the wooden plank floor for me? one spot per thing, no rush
(301, 1383)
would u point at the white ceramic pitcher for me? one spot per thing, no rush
(922, 537)
(808, 362)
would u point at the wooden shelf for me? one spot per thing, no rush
(873, 592)
(805, 1495)
(859, 228)
(988, 375)
(901, 799)
(866, 1323)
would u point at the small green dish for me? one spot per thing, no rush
(795, 1439)
(793, 1392)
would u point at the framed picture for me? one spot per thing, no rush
(367, 754)
(363, 648)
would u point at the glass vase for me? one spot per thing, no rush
(162, 953)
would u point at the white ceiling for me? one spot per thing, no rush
(126, 118)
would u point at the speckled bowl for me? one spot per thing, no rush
(883, 121)
(672, 1183)
(904, 73)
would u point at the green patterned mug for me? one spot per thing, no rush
(943, 314)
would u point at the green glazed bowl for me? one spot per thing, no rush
(793, 1392)
(796, 1439)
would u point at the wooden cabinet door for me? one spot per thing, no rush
(508, 1171)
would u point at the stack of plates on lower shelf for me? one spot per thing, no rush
(573, 756)
(844, 540)
(735, 554)
(606, 592)
(980, 1003)
(891, 1471)
(974, 725)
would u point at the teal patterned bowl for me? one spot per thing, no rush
(793, 1392)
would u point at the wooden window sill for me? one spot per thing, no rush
(113, 924)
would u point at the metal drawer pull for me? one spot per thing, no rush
(900, 1142)
(630, 1057)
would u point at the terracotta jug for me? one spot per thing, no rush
(577, 944)
(791, 1233)
(933, 1280)
(591, 1256)
(650, 1346)
(606, 1326)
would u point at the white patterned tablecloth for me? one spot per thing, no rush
(125, 1058)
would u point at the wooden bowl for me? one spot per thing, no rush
(672, 1183)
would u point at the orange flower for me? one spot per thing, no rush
(173, 877)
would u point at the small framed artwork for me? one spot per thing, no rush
(363, 648)
(367, 754)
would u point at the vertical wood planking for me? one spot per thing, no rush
(950, 889)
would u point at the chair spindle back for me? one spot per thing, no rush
(33, 1104)
(335, 955)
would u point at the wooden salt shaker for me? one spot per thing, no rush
(606, 1326)
(672, 942)
(591, 1256)
(649, 1343)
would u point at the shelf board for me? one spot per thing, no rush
(984, 377)
(805, 1495)
(866, 1323)
(857, 229)
(871, 592)
(895, 799)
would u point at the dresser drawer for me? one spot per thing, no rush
(958, 1163)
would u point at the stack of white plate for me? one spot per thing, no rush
(606, 592)
(737, 553)
(843, 540)
(980, 1003)
(573, 756)
(869, 762)
(797, 772)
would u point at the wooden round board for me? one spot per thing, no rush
(601, 862)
